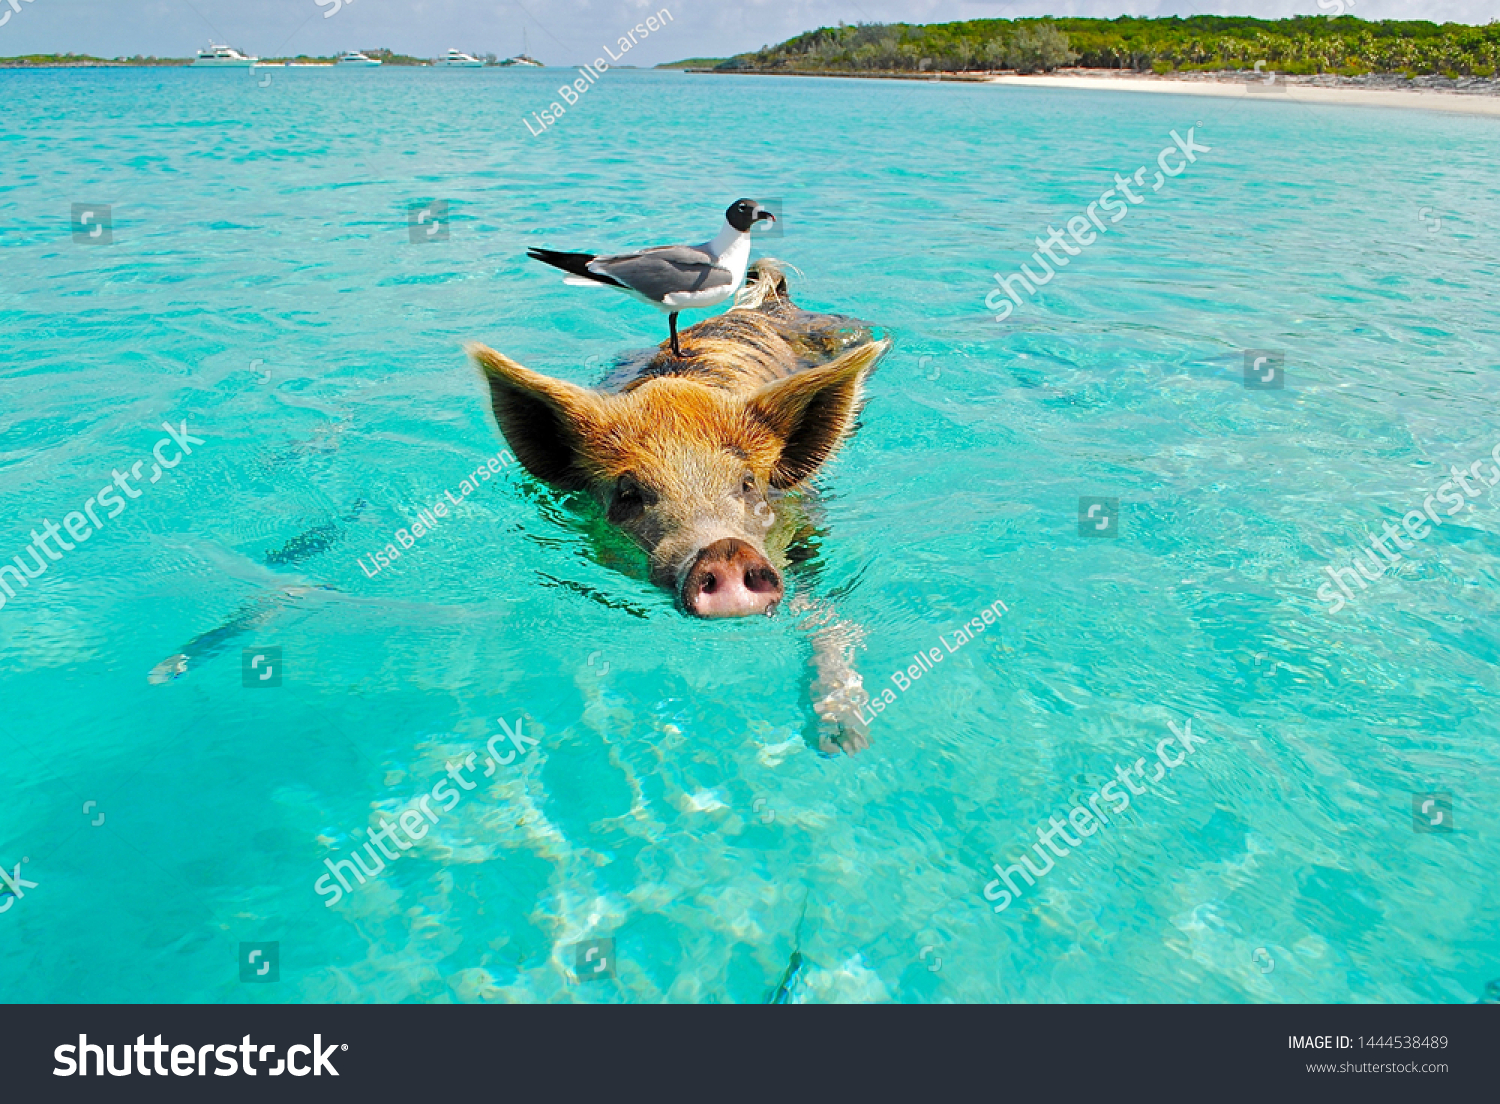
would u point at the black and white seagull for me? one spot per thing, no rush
(671, 278)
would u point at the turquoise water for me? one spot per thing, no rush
(261, 285)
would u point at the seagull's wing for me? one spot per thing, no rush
(668, 269)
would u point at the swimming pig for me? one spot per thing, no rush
(700, 458)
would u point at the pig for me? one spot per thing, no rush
(703, 460)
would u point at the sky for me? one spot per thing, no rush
(568, 32)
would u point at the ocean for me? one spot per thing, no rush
(238, 299)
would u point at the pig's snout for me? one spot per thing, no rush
(729, 578)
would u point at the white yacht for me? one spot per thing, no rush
(223, 56)
(457, 59)
(357, 59)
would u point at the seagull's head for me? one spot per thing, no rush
(745, 213)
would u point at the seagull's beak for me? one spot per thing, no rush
(762, 213)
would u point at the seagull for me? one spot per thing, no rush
(671, 278)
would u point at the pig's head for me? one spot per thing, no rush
(691, 472)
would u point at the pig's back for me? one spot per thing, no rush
(763, 338)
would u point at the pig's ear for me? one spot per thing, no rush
(813, 411)
(544, 420)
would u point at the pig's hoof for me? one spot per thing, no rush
(841, 722)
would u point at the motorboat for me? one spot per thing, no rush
(457, 59)
(223, 57)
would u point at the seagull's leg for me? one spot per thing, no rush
(672, 324)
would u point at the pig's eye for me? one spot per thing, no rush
(629, 499)
(747, 483)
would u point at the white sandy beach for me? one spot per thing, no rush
(1419, 99)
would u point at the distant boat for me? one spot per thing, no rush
(524, 57)
(223, 56)
(457, 59)
(357, 59)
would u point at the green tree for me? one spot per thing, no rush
(1039, 49)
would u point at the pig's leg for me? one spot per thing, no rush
(838, 692)
(252, 615)
(248, 617)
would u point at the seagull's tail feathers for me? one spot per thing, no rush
(574, 264)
